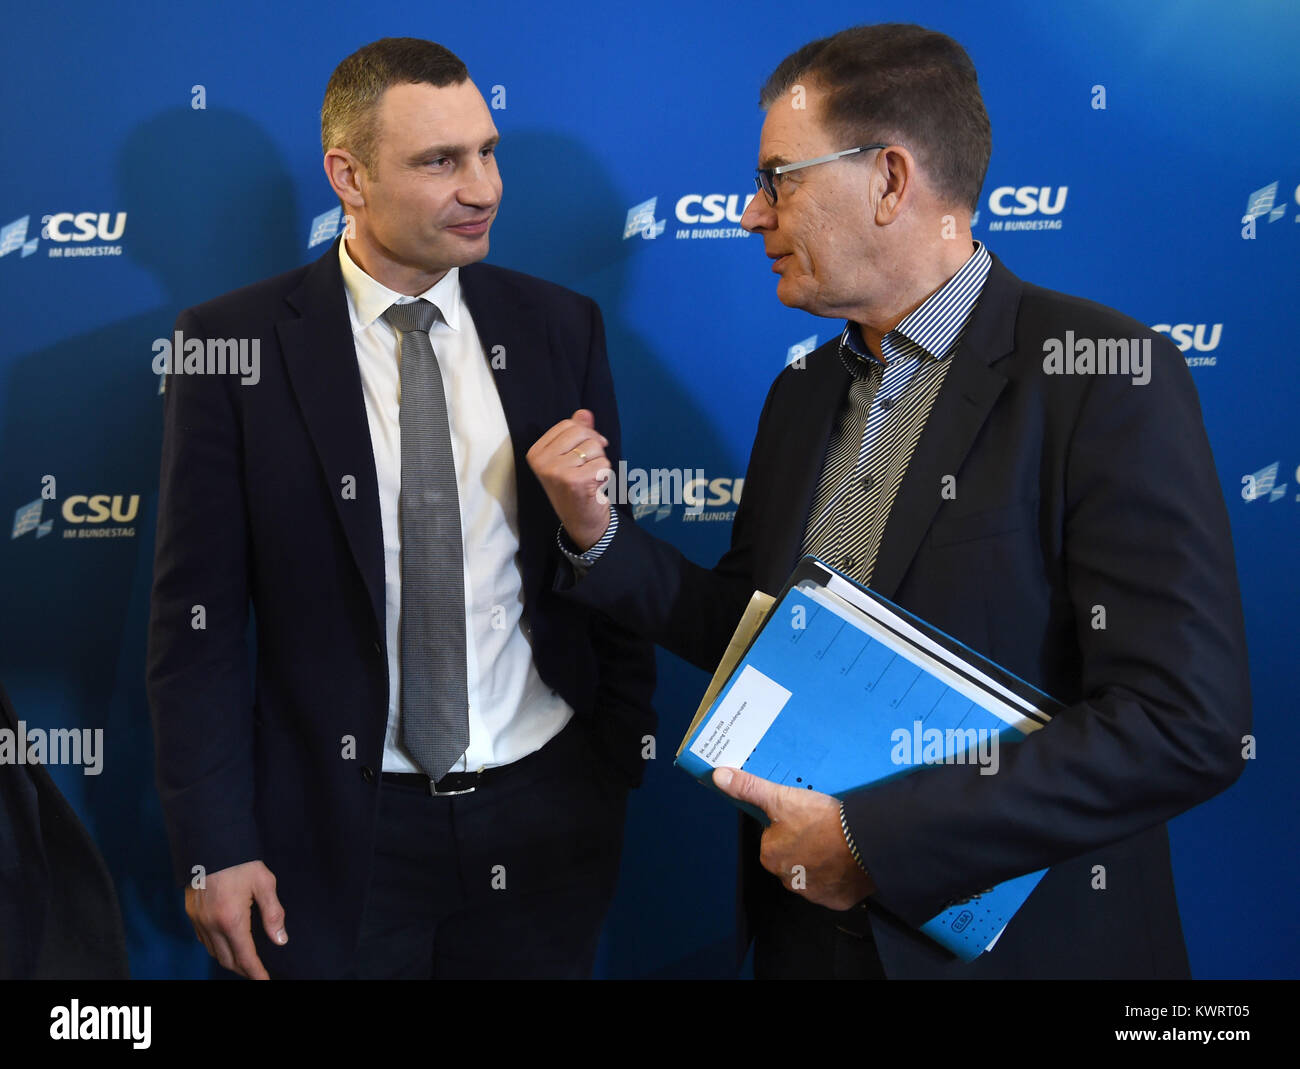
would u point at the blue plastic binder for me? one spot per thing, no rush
(840, 689)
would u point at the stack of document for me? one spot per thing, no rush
(832, 688)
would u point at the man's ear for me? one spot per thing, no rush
(897, 177)
(347, 176)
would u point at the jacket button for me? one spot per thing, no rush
(379, 648)
(367, 773)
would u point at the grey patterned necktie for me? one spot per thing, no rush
(434, 700)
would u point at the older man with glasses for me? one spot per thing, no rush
(1061, 517)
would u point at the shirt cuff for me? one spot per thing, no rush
(582, 561)
(848, 840)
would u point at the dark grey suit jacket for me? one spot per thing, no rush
(59, 918)
(1072, 492)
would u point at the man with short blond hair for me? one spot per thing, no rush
(428, 778)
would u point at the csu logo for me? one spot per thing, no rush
(83, 226)
(641, 220)
(1203, 337)
(1262, 485)
(712, 207)
(89, 515)
(1263, 203)
(28, 518)
(721, 491)
(696, 215)
(797, 354)
(13, 236)
(100, 508)
(1028, 200)
(705, 499)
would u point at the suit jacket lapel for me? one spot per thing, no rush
(321, 361)
(960, 409)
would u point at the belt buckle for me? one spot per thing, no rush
(433, 790)
(433, 787)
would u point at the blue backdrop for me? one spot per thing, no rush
(163, 152)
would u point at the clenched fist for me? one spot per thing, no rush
(569, 461)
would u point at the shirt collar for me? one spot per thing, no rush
(368, 299)
(931, 330)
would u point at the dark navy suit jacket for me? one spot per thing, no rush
(1072, 492)
(277, 756)
(59, 916)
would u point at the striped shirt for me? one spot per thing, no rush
(877, 428)
(583, 561)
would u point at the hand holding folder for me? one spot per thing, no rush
(830, 689)
(804, 843)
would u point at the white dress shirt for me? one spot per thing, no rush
(511, 711)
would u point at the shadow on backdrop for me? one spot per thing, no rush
(562, 219)
(210, 206)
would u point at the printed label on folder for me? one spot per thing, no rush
(741, 719)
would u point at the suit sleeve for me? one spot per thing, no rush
(1166, 691)
(198, 673)
(626, 662)
(648, 585)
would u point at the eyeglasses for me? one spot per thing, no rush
(764, 177)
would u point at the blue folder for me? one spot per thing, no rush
(841, 689)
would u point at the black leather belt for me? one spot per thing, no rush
(453, 783)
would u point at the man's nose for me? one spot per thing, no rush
(758, 214)
(482, 187)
